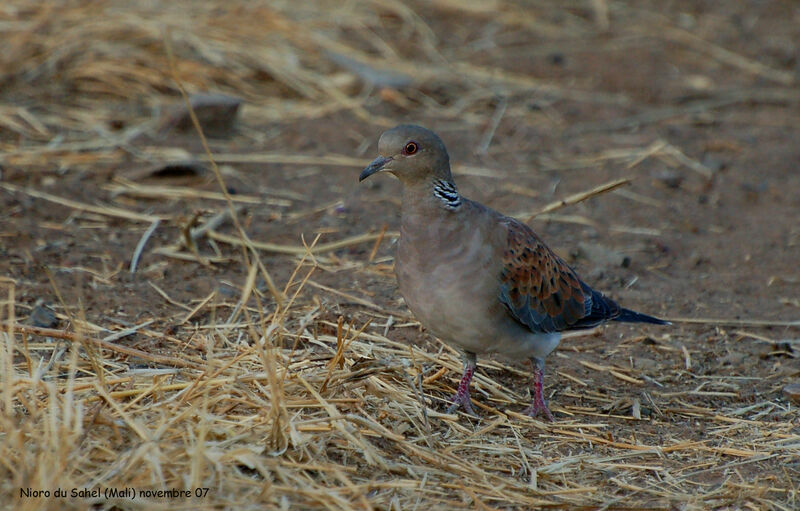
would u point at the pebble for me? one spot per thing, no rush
(216, 114)
(42, 317)
(792, 392)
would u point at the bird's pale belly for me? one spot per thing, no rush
(457, 310)
(445, 310)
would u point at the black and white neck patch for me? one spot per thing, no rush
(446, 192)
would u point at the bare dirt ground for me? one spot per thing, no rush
(282, 377)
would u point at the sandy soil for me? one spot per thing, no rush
(696, 103)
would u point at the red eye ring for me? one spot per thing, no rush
(410, 148)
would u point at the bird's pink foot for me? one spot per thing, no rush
(462, 401)
(538, 406)
(461, 398)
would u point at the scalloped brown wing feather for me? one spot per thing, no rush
(538, 288)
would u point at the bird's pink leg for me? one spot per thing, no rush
(461, 399)
(538, 405)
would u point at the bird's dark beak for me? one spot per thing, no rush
(377, 165)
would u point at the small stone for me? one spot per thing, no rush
(699, 82)
(42, 316)
(372, 75)
(733, 358)
(645, 364)
(670, 178)
(792, 392)
(557, 59)
(714, 163)
(181, 168)
(216, 114)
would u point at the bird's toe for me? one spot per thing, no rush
(536, 409)
(461, 402)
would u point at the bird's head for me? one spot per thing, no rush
(412, 153)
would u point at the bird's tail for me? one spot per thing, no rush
(629, 316)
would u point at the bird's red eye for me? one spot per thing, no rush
(410, 148)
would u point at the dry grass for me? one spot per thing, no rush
(282, 400)
(280, 412)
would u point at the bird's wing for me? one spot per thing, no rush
(541, 291)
